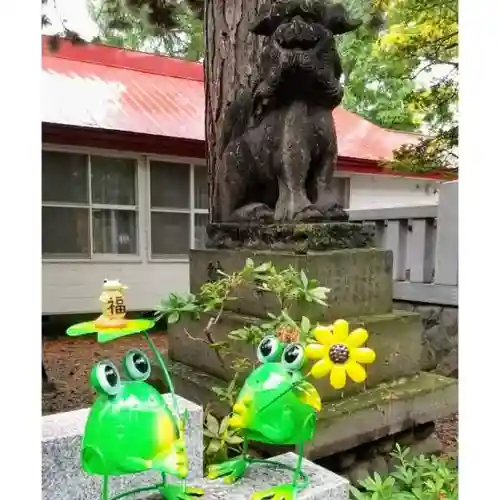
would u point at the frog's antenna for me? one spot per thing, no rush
(164, 368)
(279, 396)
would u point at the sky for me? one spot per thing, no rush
(75, 15)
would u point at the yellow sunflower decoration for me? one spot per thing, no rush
(340, 353)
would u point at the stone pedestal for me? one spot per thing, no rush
(395, 397)
(360, 279)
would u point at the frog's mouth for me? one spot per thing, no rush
(175, 461)
(241, 412)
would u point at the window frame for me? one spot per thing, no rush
(142, 207)
(192, 211)
(89, 205)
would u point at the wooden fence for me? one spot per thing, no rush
(424, 242)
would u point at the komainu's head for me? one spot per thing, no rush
(300, 36)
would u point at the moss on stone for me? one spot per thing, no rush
(296, 237)
(401, 389)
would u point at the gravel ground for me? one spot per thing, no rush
(68, 362)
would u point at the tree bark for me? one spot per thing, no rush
(231, 55)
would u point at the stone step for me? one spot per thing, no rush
(396, 337)
(354, 420)
(324, 485)
(63, 478)
(62, 475)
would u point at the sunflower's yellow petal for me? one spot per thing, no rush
(340, 331)
(357, 338)
(355, 371)
(363, 355)
(315, 351)
(337, 376)
(321, 368)
(323, 335)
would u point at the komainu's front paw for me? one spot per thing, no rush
(231, 471)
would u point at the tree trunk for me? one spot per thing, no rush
(231, 55)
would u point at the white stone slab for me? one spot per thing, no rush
(62, 476)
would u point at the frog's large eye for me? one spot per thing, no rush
(137, 365)
(293, 357)
(105, 378)
(269, 349)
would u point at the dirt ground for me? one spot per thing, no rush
(69, 360)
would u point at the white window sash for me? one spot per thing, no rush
(99, 206)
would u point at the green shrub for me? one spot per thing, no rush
(418, 478)
(290, 286)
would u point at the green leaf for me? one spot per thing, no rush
(305, 324)
(320, 292)
(211, 424)
(287, 318)
(209, 434)
(224, 425)
(218, 346)
(358, 495)
(213, 447)
(234, 439)
(303, 279)
(173, 317)
(263, 268)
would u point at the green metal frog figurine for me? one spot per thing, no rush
(278, 406)
(131, 429)
(275, 406)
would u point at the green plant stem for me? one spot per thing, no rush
(168, 380)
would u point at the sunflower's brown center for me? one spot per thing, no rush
(339, 354)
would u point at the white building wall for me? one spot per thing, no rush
(74, 287)
(386, 191)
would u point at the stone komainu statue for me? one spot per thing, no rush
(279, 147)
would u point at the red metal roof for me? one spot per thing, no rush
(100, 87)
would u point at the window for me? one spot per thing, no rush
(200, 206)
(179, 208)
(89, 205)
